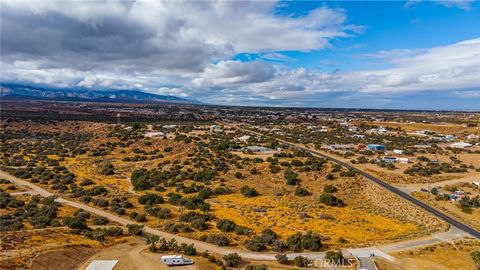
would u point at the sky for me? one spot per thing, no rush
(337, 54)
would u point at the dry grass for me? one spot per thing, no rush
(443, 256)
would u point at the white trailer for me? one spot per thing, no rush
(175, 260)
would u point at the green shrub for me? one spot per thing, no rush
(135, 229)
(218, 239)
(232, 260)
(331, 200)
(281, 258)
(226, 225)
(300, 261)
(330, 189)
(248, 191)
(301, 191)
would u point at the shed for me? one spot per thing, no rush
(376, 147)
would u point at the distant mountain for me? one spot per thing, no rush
(18, 91)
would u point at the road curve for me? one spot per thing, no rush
(453, 222)
(203, 246)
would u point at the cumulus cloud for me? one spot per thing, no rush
(453, 68)
(187, 48)
(462, 4)
(144, 36)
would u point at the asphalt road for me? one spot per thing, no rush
(453, 222)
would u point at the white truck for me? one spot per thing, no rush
(175, 260)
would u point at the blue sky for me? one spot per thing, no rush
(389, 25)
(375, 54)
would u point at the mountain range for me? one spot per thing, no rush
(28, 92)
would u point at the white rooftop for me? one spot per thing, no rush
(102, 265)
(172, 257)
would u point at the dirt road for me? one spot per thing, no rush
(202, 246)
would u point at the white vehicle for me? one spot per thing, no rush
(175, 260)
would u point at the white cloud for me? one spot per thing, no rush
(450, 68)
(462, 4)
(186, 48)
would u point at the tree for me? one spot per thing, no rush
(226, 225)
(255, 244)
(150, 199)
(331, 200)
(135, 229)
(300, 261)
(248, 191)
(291, 177)
(281, 258)
(335, 257)
(301, 191)
(189, 249)
(152, 240)
(232, 260)
(330, 189)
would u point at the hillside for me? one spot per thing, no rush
(17, 91)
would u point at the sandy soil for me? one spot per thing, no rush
(443, 129)
(445, 256)
(63, 258)
(134, 255)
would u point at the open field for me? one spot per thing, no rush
(443, 128)
(208, 186)
(445, 256)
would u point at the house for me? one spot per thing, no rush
(476, 183)
(460, 145)
(376, 147)
(338, 146)
(424, 132)
(244, 138)
(255, 148)
(169, 126)
(358, 136)
(403, 160)
(154, 134)
(450, 137)
(397, 151)
(472, 137)
(389, 159)
(378, 130)
(421, 146)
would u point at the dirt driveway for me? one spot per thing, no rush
(132, 255)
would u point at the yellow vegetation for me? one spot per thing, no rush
(283, 216)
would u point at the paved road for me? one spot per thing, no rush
(202, 246)
(453, 222)
(367, 263)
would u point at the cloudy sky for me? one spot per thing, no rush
(391, 54)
